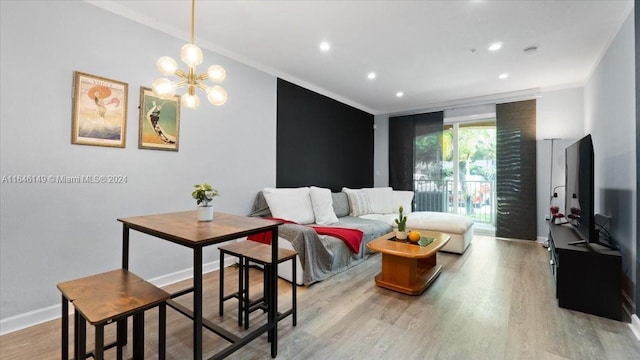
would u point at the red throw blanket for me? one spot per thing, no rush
(351, 237)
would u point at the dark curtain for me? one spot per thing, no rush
(403, 131)
(401, 135)
(431, 124)
(516, 170)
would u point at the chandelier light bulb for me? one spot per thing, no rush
(163, 87)
(167, 66)
(190, 101)
(217, 95)
(191, 55)
(216, 73)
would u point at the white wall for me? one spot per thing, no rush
(56, 232)
(559, 116)
(381, 151)
(610, 118)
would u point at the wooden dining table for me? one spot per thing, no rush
(183, 228)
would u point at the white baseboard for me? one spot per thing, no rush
(30, 318)
(53, 312)
(635, 326)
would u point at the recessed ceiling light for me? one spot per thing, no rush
(503, 76)
(399, 94)
(495, 46)
(325, 46)
(371, 75)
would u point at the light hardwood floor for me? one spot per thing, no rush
(494, 302)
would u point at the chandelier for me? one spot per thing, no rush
(192, 56)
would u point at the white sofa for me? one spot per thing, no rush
(459, 227)
(349, 208)
(383, 205)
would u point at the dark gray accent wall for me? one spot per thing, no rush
(321, 141)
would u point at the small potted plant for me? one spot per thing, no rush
(204, 194)
(401, 221)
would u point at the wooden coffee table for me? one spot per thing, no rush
(407, 267)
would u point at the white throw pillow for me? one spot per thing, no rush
(293, 204)
(322, 204)
(381, 199)
(404, 198)
(358, 202)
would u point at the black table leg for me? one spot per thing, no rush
(243, 284)
(122, 324)
(221, 287)
(138, 335)
(125, 247)
(80, 337)
(273, 302)
(65, 328)
(294, 285)
(162, 331)
(98, 352)
(197, 303)
(267, 293)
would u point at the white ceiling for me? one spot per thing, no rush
(422, 48)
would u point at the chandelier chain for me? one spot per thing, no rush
(193, 20)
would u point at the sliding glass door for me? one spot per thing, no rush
(462, 181)
(469, 150)
(428, 183)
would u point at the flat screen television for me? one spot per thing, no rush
(579, 195)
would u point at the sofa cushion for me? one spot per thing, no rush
(340, 204)
(428, 220)
(386, 218)
(381, 199)
(439, 221)
(322, 203)
(359, 202)
(404, 198)
(292, 204)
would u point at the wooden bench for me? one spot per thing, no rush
(107, 297)
(258, 253)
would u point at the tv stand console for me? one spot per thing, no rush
(588, 276)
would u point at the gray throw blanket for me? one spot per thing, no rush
(316, 260)
(321, 255)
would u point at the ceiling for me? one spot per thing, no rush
(422, 48)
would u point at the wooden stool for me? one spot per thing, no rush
(254, 252)
(111, 296)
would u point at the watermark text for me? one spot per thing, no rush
(64, 179)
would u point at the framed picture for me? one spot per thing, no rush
(99, 111)
(159, 121)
